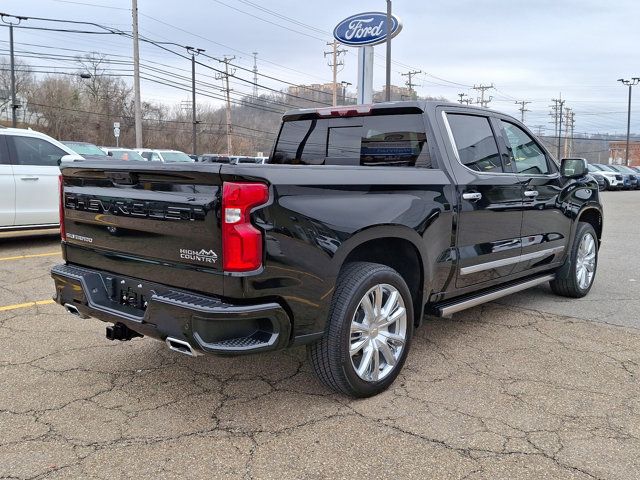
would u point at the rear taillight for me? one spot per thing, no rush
(63, 233)
(241, 241)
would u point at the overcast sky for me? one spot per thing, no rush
(531, 51)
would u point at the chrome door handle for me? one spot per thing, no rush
(472, 196)
(531, 193)
(30, 178)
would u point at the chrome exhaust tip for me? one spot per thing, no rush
(181, 346)
(73, 310)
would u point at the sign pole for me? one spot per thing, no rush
(365, 74)
(388, 56)
(116, 132)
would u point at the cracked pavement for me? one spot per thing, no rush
(534, 386)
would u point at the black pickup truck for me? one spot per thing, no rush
(364, 219)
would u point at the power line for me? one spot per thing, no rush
(111, 30)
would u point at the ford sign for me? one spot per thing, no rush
(365, 29)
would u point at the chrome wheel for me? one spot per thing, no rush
(586, 261)
(378, 333)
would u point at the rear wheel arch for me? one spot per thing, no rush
(396, 252)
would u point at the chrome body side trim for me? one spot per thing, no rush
(509, 261)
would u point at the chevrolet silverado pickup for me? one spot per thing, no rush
(364, 219)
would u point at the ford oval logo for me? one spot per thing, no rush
(368, 28)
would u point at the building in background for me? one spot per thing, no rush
(316, 92)
(397, 94)
(617, 151)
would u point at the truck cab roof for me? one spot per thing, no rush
(382, 108)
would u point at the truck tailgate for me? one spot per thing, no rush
(150, 221)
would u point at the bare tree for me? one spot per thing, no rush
(24, 82)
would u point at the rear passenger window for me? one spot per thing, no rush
(477, 147)
(384, 140)
(395, 140)
(525, 153)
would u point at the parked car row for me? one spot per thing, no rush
(140, 154)
(615, 177)
(88, 149)
(233, 159)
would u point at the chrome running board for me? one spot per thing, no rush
(449, 308)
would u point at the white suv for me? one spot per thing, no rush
(29, 171)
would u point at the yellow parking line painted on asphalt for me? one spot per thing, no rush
(25, 305)
(34, 255)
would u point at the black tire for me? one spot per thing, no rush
(607, 185)
(567, 283)
(330, 356)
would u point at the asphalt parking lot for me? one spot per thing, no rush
(534, 386)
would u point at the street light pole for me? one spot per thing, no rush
(630, 84)
(388, 59)
(345, 84)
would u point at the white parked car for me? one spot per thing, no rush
(164, 155)
(123, 153)
(29, 171)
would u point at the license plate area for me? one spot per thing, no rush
(131, 294)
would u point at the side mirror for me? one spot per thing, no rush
(573, 167)
(110, 154)
(69, 158)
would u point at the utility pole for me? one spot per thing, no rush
(14, 105)
(194, 53)
(6, 18)
(481, 100)
(630, 84)
(388, 57)
(225, 78)
(539, 129)
(572, 123)
(334, 64)
(522, 108)
(559, 104)
(461, 95)
(567, 122)
(255, 75)
(409, 83)
(344, 91)
(137, 101)
(554, 113)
